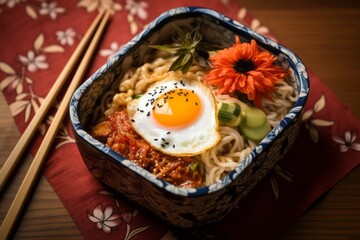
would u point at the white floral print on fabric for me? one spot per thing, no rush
(33, 61)
(32, 9)
(255, 24)
(348, 142)
(137, 8)
(311, 122)
(92, 5)
(114, 47)
(278, 170)
(10, 3)
(66, 37)
(51, 9)
(126, 217)
(26, 98)
(105, 219)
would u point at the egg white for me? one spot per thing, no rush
(190, 140)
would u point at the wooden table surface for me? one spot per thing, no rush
(326, 36)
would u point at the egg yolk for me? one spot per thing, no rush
(177, 108)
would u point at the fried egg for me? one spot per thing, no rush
(176, 117)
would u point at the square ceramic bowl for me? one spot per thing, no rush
(183, 207)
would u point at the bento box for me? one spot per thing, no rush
(183, 206)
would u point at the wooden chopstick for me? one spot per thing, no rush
(39, 158)
(25, 138)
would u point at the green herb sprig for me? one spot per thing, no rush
(187, 47)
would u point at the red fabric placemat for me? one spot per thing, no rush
(45, 35)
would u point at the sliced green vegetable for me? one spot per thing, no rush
(256, 134)
(229, 114)
(255, 124)
(252, 121)
(255, 117)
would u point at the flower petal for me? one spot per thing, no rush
(348, 137)
(106, 229)
(23, 59)
(99, 225)
(98, 212)
(343, 148)
(320, 104)
(108, 212)
(307, 114)
(355, 146)
(32, 67)
(314, 135)
(93, 219)
(322, 123)
(42, 65)
(338, 139)
(113, 223)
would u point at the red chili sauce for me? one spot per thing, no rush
(117, 133)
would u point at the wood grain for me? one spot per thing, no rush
(325, 35)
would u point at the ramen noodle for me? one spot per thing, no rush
(232, 147)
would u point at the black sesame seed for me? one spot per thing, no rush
(168, 132)
(163, 145)
(148, 114)
(155, 139)
(132, 120)
(173, 145)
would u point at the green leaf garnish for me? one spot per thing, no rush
(187, 47)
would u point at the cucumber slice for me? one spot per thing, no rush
(255, 117)
(256, 134)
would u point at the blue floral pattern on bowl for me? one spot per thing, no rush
(185, 207)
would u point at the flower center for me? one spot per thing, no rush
(244, 66)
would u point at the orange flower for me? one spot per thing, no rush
(244, 68)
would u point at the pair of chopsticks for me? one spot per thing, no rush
(89, 42)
